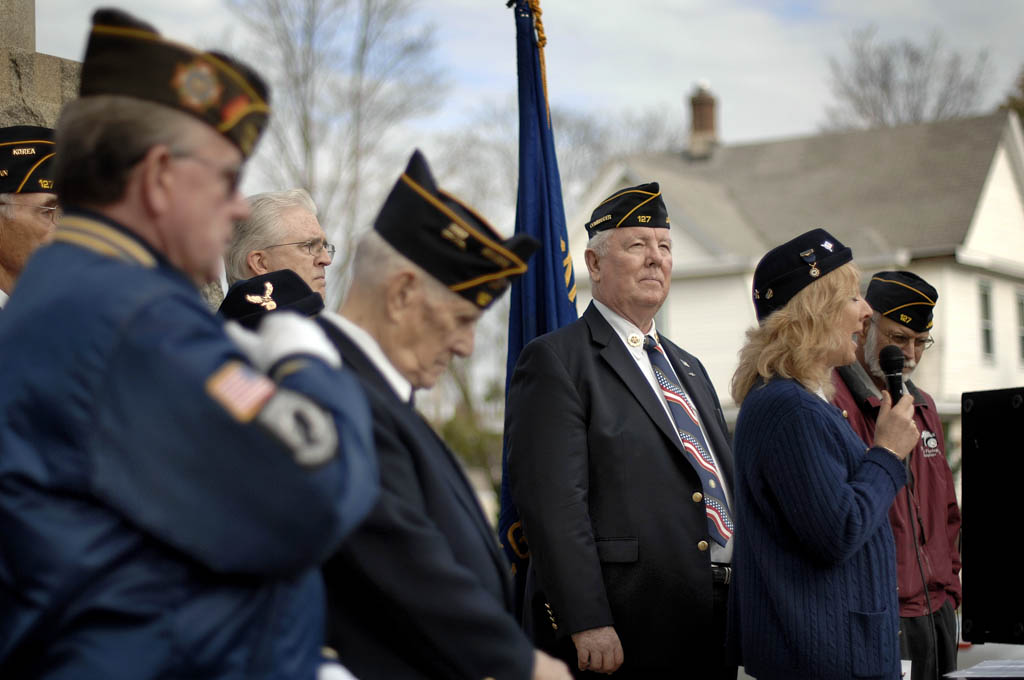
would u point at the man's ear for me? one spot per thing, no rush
(155, 179)
(593, 264)
(257, 261)
(401, 294)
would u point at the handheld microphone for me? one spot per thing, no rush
(890, 359)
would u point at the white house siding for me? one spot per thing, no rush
(993, 251)
(996, 236)
(709, 317)
(965, 367)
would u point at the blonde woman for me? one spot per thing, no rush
(814, 591)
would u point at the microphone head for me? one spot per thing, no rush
(890, 359)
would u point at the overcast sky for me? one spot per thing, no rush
(766, 60)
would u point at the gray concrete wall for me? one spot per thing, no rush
(33, 87)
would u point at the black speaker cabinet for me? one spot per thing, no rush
(992, 485)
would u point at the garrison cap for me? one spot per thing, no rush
(449, 239)
(127, 57)
(639, 206)
(26, 160)
(248, 301)
(785, 271)
(904, 297)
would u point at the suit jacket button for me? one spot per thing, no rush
(845, 414)
(702, 545)
(698, 497)
(554, 626)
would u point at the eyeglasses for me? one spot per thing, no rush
(49, 212)
(902, 340)
(231, 175)
(313, 246)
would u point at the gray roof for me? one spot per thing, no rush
(913, 187)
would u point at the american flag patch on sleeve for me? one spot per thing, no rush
(240, 390)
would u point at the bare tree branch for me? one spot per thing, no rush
(884, 84)
(345, 73)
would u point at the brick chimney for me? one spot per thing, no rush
(703, 133)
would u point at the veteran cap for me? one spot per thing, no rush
(448, 239)
(784, 271)
(904, 297)
(26, 160)
(639, 206)
(248, 301)
(127, 57)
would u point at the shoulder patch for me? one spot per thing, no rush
(240, 390)
(302, 425)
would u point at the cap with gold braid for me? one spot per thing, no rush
(904, 297)
(448, 239)
(26, 160)
(639, 206)
(127, 57)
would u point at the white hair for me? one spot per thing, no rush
(599, 242)
(376, 261)
(7, 210)
(261, 228)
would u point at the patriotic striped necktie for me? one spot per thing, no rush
(684, 415)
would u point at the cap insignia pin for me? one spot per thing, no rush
(810, 258)
(197, 85)
(264, 300)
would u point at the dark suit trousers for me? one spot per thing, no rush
(717, 666)
(916, 643)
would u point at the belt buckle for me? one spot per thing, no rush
(725, 570)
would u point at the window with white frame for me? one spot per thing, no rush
(985, 303)
(1020, 325)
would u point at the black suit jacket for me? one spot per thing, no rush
(420, 589)
(607, 497)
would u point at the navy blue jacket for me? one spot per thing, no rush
(814, 566)
(420, 590)
(163, 506)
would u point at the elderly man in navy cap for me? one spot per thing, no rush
(925, 517)
(421, 589)
(167, 498)
(620, 465)
(28, 204)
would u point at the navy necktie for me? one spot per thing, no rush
(684, 415)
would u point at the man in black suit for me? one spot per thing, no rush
(629, 531)
(421, 589)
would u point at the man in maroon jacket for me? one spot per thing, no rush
(925, 517)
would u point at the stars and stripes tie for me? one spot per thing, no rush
(684, 415)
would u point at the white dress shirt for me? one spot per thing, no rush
(369, 346)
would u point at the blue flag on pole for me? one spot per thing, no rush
(544, 298)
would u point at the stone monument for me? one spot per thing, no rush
(33, 86)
